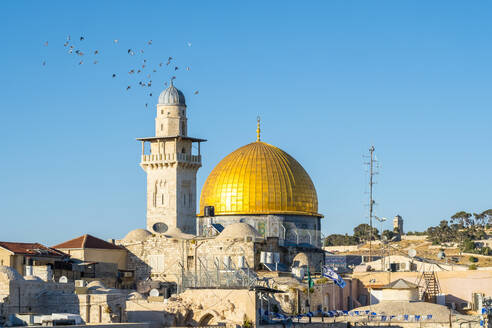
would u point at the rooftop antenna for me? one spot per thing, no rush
(372, 173)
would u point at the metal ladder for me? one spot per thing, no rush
(429, 287)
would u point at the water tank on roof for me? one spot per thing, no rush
(269, 257)
(241, 262)
(263, 256)
(227, 262)
(276, 257)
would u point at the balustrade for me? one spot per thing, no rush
(167, 158)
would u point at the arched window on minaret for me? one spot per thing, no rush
(183, 129)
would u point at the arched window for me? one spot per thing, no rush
(183, 150)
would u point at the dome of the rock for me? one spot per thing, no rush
(259, 179)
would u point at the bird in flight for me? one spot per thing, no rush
(46, 44)
(196, 92)
(82, 38)
(114, 75)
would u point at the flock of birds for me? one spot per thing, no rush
(143, 69)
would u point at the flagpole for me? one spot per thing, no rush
(309, 293)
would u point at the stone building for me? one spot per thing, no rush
(171, 167)
(398, 225)
(88, 248)
(30, 294)
(92, 259)
(34, 258)
(171, 257)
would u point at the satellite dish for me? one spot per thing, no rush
(154, 292)
(441, 255)
(412, 253)
(63, 280)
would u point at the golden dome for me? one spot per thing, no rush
(259, 179)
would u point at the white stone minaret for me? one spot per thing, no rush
(171, 167)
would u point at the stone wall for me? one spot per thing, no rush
(103, 307)
(37, 296)
(197, 307)
(341, 249)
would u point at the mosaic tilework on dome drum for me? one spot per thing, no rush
(259, 179)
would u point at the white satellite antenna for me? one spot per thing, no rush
(412, 253)
(63, 280)
(154, 292)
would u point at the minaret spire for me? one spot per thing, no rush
(258, 128)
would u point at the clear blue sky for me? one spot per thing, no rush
(329, 78)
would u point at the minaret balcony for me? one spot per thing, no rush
(172, 158)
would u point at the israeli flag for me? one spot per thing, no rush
(329, 273)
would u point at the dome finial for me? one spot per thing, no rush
(258, 128)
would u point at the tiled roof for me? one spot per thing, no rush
(87, 241)
(32, 249)
(401, 284)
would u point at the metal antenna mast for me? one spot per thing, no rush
(371, 199)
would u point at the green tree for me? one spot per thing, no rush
(487, 216)
(462, 218)
(340, 240)
(388, 234)
(363, 232)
